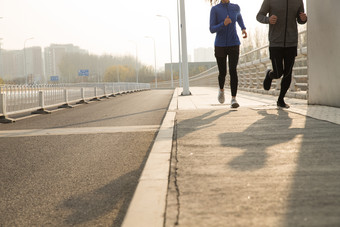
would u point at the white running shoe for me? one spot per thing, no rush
(220, 96)
(234, 103)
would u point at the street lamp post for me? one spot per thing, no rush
(0, 58)
(0, 53)
(154, 47)
(172, 76)
(25, 70)
(185, 69)
(137, 71)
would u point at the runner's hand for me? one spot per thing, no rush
(303, 16)
(244, 33)
(272, 19)
(227, 21)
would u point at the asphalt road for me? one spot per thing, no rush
(80, 166)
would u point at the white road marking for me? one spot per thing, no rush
(70, 131)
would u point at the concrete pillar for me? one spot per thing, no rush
(324, 52)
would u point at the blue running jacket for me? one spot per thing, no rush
(226, 35)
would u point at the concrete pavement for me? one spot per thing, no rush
(254, 166)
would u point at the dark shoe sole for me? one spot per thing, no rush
(282, 105)
(235, 105)
(267, 83)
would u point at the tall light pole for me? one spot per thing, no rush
(0, 54)
(0, 58)
(154, 47)
(25, 70)
(179, 46)
(137, 72)
(184, 51)
(172, 75)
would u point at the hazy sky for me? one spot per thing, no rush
(111, 26)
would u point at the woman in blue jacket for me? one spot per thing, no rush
(223, 18)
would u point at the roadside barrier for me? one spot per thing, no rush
(16, 99)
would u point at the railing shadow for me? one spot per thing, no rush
(101, 120)
(111, 200)
(90, 206)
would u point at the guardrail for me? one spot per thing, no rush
(16, 99)
(251, 73)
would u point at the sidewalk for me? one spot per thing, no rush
(254, 166)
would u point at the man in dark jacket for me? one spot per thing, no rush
(282, 17)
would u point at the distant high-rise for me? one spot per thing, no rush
(54, 54)
(34, 65)
(13, 64)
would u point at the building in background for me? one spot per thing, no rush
(53, 57)
(204, 59)
(34, 65)
(194, 68)
(12, 64)
(204, 55)
(39, 66)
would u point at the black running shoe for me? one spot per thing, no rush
(282, 104)
(267, 81)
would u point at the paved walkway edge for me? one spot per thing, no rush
(148, 204)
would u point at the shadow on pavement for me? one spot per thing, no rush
(314, 198)
(272, 129)
(104, 206)
(85, 122)
(314, 193)
(201, 122)
(107, 200)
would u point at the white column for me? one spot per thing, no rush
(3, 111)
(323, 52)
(41, 99)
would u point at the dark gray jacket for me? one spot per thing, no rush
(284, 33)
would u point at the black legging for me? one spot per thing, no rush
(283, 60)
(221, 54)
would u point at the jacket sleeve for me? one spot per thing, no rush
(262, 14)
(301, 10)
(214, 27)
(240, 21)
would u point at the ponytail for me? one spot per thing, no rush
(213, 2)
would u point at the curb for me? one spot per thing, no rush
(148, 204)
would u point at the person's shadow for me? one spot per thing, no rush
(201, 122)
(270, 130)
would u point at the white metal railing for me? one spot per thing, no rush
(251, 72)
(15, 99)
